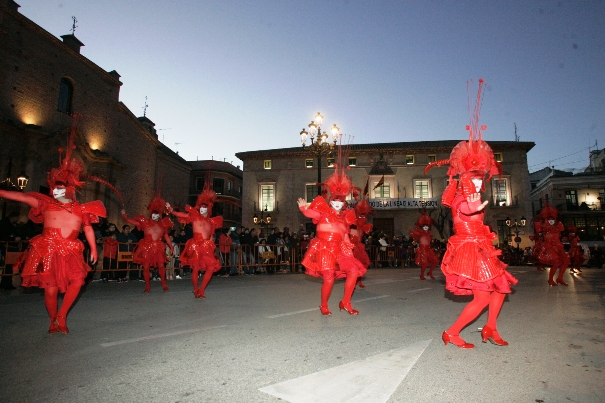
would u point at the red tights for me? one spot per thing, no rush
(553, 270)
(147, 277)
(328, 284)
(475, 307)
(205, 280)
(51, 300)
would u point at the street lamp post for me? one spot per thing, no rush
(517, 224)
(319, 143)
(262, 220)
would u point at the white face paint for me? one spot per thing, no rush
(203, 210)
(155, 216)
(426, 227)
(551, 222)
(337, 205)
(477, 182)
(59, 192)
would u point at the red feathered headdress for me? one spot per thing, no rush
(339, 185)
(70, 169)
(469, 159)
(157, 205)
(207, 197)
(572, 230)
(424, 219)
(548, 212)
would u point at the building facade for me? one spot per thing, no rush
(580, 198)
(43, 81)
(275, 179)
(227, 181)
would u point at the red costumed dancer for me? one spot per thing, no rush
(425, 255)
(470, 263)
(362, 209)
(151, 251)
(330, 253)
(54, 259)
(576, 255)
(552, 253)
(199, 251)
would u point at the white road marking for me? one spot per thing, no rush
(158, 336)
(421, 289)
(372, 380)
(315, 309)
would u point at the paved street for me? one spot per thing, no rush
(254, 332)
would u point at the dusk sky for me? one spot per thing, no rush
(226, 76)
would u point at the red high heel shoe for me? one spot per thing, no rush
(487, 333)
(348, 307)
(324, 310)
(550, 282)
(449, 339)
(360, 284)
(560, 281)
(62, 325)
(431, 276)
(422, 277)
(147, 289)
(54, 326)
(165, 287)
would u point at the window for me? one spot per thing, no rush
(422, 189)
(409, 159)
(267, 164)
(571, 199)
(239, 189)
(432, 158)
(229, 185)
(218, 185)
(503, 231)
(199, 184)
(66, 92)
(498, 157)
(309, 163)
(352, 161)
(331, 162)
(500, 189)
(267, 197)
(382, 191)
(311, 192)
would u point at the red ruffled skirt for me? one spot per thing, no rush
(359, 251)
(328, 256)
(150, 253)
(53, 261)
(553, 254)
(425, 256)
(199, 254)
(471, 263)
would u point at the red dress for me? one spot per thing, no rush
(148, 252)
(552, 252)
(198, 252)
(328, 253)
(51, 260)
(471, 260)
(425, 255)
(359, 248)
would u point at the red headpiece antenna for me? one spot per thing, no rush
(70, 169)
(157, 205)
(339, 184)
(548, 212)
(468, 159)
(424, 219)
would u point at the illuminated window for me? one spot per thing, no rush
(409, 159)
(331, 162)
(382, 191)
(311, 192)
(422, 189)
(66, 92)
(267, 164)
(500, 189)
(498, 157)
(432, 158)
(267, 197)
(352, 161)
(309, 163)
